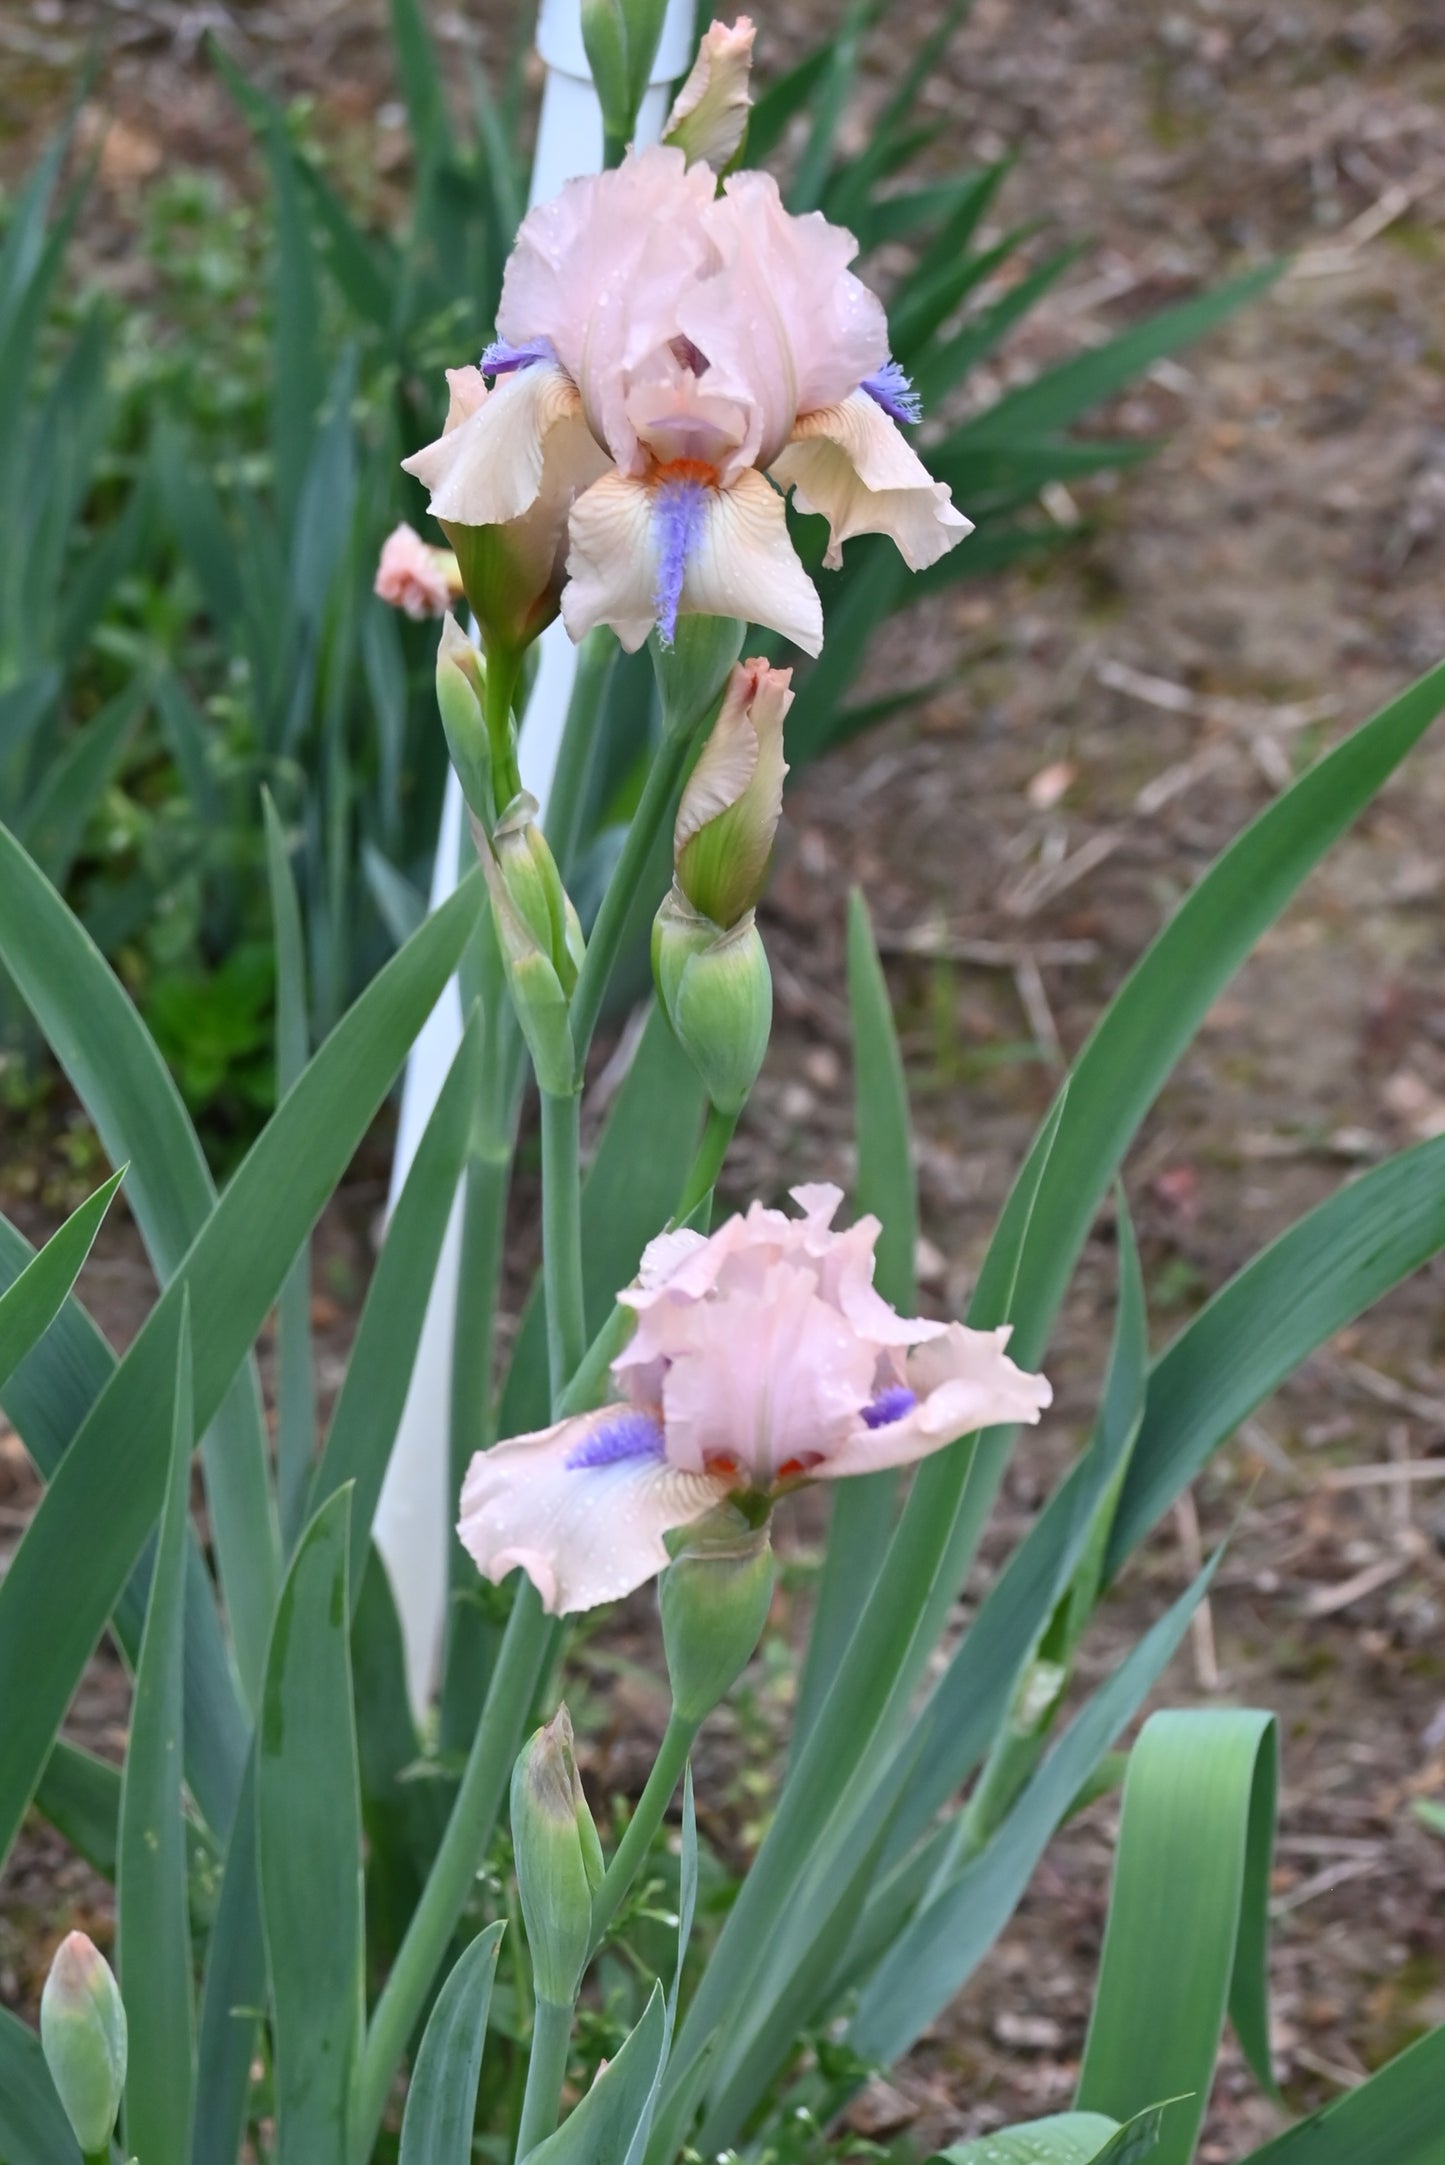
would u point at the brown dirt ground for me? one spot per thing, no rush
(1273, 575)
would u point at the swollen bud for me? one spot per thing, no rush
(717, 992)
(709, 117)
(714, 1597)
(83, 2037)
(540, 938)
(730, 808)
(459, 697)
(559, 1859)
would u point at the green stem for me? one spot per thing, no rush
(654, 809)
(637, 1840)
(562, 1240)
(546, 2072)
(499, 682)
(706, 1166)
(525, 1651)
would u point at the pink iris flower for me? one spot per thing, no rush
(718, 352)
(763, 1356)
(414, 577)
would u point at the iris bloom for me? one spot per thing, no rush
(762, 1357)
(709, 352)
(414, 577)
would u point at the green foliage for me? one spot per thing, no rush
(196, 487)
(317, 1874)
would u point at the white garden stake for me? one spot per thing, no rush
(415, 1516)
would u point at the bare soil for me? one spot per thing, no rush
(1273, 575)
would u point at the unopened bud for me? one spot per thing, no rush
(540, 939)
(460, 694)
(717, 992)
(621, 39)
(83, 2037)
(714, 1597)
(709, 117)
(692, 672)
(559, 1859)
(733, 800)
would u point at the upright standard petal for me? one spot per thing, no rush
(581, 1508)
(599, 270)
(849, 463)
(765, 1386)
(785, 325)
(738, 561)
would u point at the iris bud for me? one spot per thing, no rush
(83, 2037)
(621, 39)
(714, 1597)
(559, 1859)
(717, 992)
(733, 800)
(459, 697)
(709, 117)
(540, 939)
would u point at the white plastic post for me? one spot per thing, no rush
(416, 1510)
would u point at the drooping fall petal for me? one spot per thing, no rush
(581, 1507)
(738, 562)
(957, 1383)
(850, 463)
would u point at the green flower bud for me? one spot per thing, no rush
(714, 1597)
(83, 2036)
(733, 800)
(621, 39)
(559, 1859)
(692, 673)
(535, 886)
(460, 692)
(540, 939)
(717, 992)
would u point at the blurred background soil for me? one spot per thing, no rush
(1274, 574)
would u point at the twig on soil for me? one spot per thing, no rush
(1035, 1003)
(1340, 254)
(1398, 1474)
(1324, 1881)
(1330, 1600)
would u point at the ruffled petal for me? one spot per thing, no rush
(764, 1386)
(581, 1508)
(413, 577)
(959, 1382)
(785, 325)
(487, 469)
(739, 563)
(849, 463)
(600, 269)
